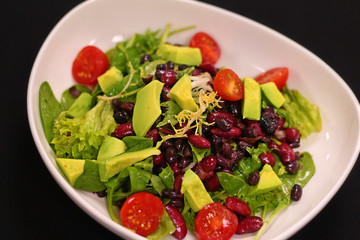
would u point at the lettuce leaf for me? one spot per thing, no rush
(82, 137)
(300, 113)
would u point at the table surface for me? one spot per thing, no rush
(36, 207)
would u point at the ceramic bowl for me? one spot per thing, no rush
(248, 48)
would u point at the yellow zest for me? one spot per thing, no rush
(185, 116)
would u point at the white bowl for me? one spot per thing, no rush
(248, 48)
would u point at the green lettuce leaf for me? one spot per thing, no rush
(300, 113)
(82, 137)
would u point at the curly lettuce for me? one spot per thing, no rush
(82, 137)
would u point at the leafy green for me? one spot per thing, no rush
(198, 153)
(138, 181)
(90, 179)
(172, 109)
(167, 177)
(233, 185)
(146, 164)
(136, 143)
(67, 99)
(49, 108)
(165, 228)
(157, 184)
(82, 137)
(300, 113)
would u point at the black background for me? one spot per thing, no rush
(32, 204)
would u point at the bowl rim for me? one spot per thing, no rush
(106, 221)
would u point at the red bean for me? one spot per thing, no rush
(238, 206)
(175, 168)
(208, 164)
(199, 141)
(292, 134)
(254, 178)
(249, 224)
(233, 133)
(157, 159)
(178, 221)
(286, 153)
(153, 134)
(267, 158)
(127, 106)
(201, 173)
(124, 130)
(220, 114)
(178, 181)
(169, 78)
(296, 192)
(213, 183)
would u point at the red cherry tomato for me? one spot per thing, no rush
(90, 63)
(142, 213)
(215, 222)
(228, 85)
(210, 50)
(277, 75)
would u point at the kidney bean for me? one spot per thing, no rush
(234, 107)
(221, 114)
(165, 93)
(267, 158)
(127, 106)
(253, 129)
(178, 181)
(172, 194)
(286, 153)
(292, 167)
(170, 155)
(233, 133)
(212, 184)
(74, 92)
(223, 124)
(167, 143)
(254, 178)
(201, 173)
(157, 159)
(269, 120)
(178, 202)
(296, 192)
(175, 168)
(208, 67)
(208, 163)
(183, 162)
(124, 130)
(291, 134)
(216, 144)
(238, 206)
(223, 161)
(178, 220)
(120, 117)
(153, 134)
(199, 141)
(226, 149)
(249, 224)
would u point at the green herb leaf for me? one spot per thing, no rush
(136, 143)
(167, 177)
(49, 108)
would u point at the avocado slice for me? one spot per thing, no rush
(180, 54)
(251, 104)
(81, 105)
(194, 191)
(110, 167)
(72, 168)
(272, 94)
(181, 92)
(147, 107)
(108, 79)
(268, 181)
(111, 147)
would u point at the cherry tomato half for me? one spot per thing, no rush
(215, 222)
(90, 63)
(228, 85)
(142, 213)
(210, 50)
(277, 75)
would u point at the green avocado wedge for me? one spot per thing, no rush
(147, 107)
(110, 167)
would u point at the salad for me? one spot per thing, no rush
(176, 144)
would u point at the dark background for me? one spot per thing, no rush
(34, 206)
